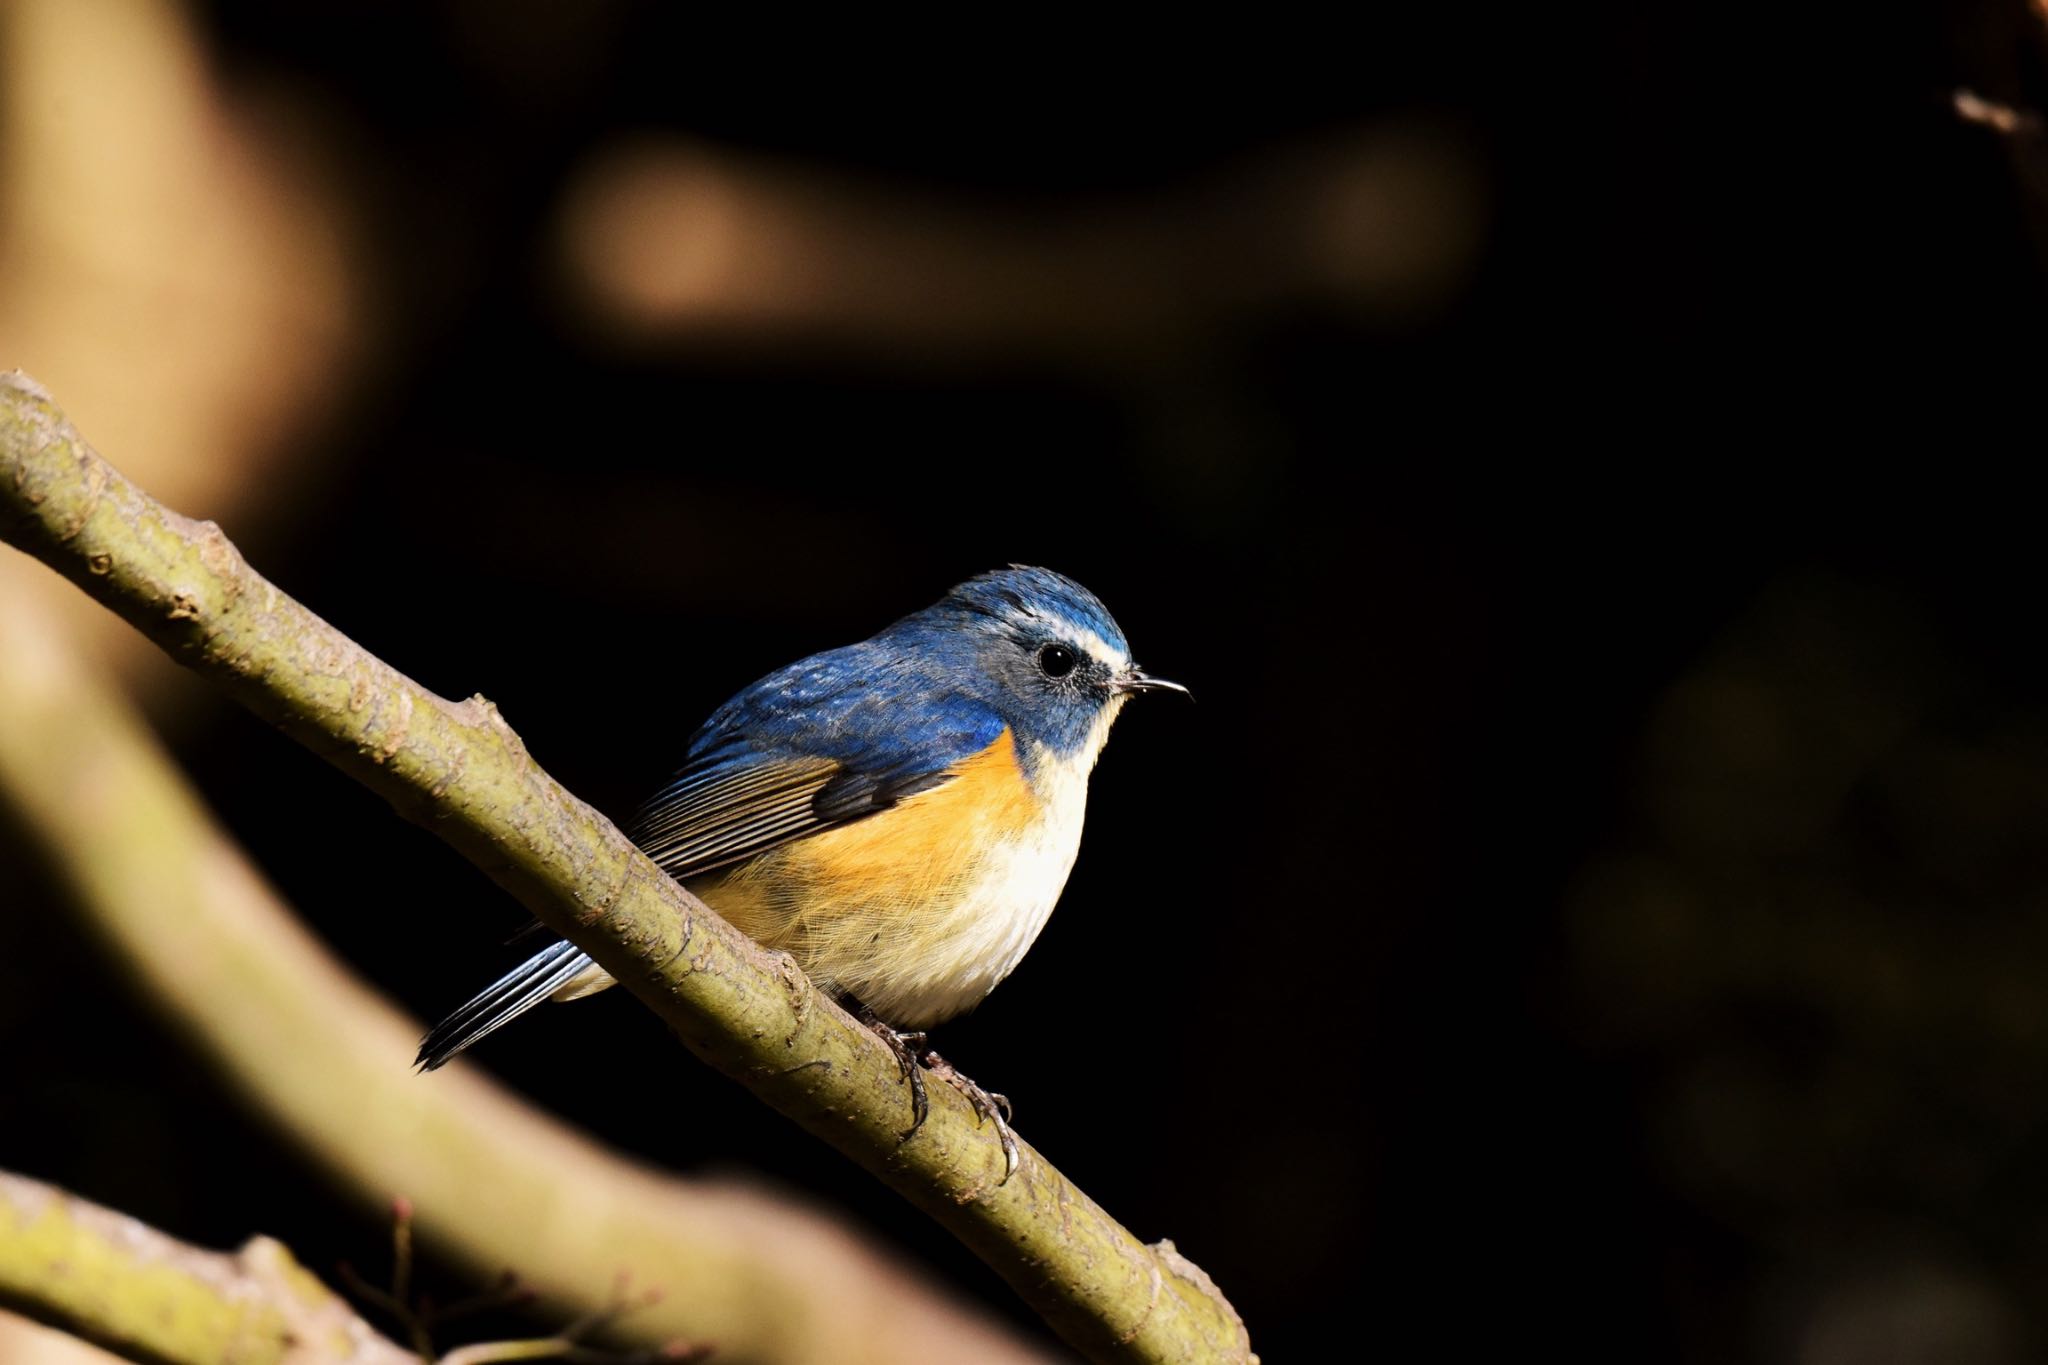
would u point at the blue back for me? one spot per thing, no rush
(931, 690)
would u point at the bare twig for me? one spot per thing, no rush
(458, 770)
(420, 1318)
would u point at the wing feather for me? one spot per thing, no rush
(693, 804)
(696, 827)
(693, 827)
(829, 740)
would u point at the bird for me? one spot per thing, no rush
(899, 815)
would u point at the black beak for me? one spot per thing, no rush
(1135, 679)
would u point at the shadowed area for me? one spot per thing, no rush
(1570, 457)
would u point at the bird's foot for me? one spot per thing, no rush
(914, 1058)
(909, 1050)
(987, 1105)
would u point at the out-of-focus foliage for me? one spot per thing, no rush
(176, 256)
(1819, 944)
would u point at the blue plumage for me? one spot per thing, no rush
(869, 707)
(925, 693)
(1006, 594)
(1016, 672)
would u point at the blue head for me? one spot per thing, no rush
(1043, 651)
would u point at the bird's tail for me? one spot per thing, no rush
(553, 971)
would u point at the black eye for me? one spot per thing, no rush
(1056, 661)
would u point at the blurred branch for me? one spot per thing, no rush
(106, 1277)
(663, 239)
(24, 1341)
(457, 769)
(2008, 46)
(1972, 107)
(183, 254)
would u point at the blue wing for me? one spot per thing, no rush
(827, 741)
(830, 739)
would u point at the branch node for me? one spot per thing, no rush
(801, 993)
(219, 554)
(400, 728)
(95, 485)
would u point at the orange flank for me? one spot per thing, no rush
(873, 898)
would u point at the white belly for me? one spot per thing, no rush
(920, 917)
(924, 940)
(977, 941)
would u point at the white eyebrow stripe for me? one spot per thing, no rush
(1100, 649)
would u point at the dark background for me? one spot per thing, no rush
(1597, 900)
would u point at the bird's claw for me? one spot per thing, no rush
(908, 1049)
(914, 1058)
(988, 1105)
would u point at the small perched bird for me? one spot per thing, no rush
(899, 815)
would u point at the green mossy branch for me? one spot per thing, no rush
(105, 1277)
(457, 769)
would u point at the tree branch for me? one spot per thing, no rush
(457, 769)
(329, 1062)
(104, 1276)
